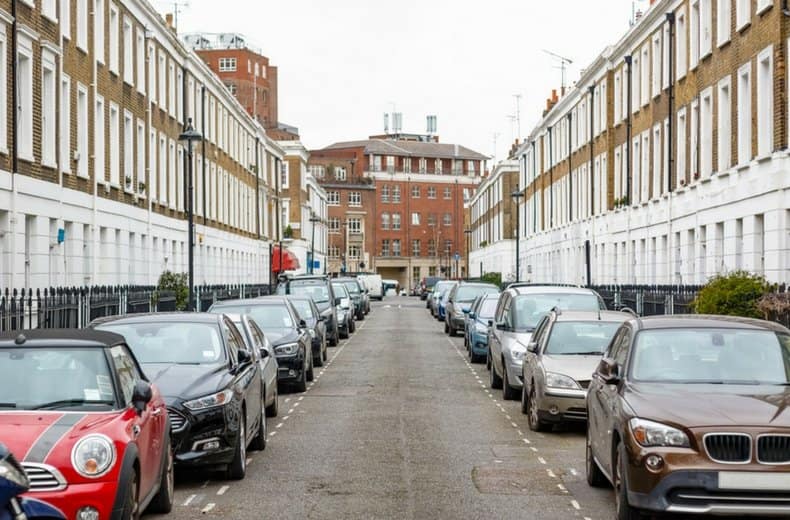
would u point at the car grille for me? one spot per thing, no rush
(704, 498)
(43, 477)
(584, 384)
(576, 413)
(773, 449)
(177, 421)
(732, 448)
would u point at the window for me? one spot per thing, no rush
(635, 92)
(406, 164)
(140, 59)
(98, 30)
(355, 199)
(355, 225)
(391, 164)
(49, 9)
(340, 173)
(65, 18)
(385, 247)
(617, 94)
(448, 246)
(396, 221)
(415, 192)
(644, 81)
(48, 109)
(128, 52)
(334, 225)
(680, 165)
(227, 64)
(334, 251)
(431, 192)
(82, 24)
(396, 247)
(723, 20)
(141, 159)
(65, 121)
(681, 46)
(743, 13)
(423, 165)
(396, 194)
(153, 173)
(447, 220)
(447, 193)
(171, 83)
(765, 104)
(115, 145)
(317, 171)
(114, 39)
(99, 163)
(657, 51)
(128, 150)
(25, 93)
(385, 221)
(151, 73)
(657, 156)
(82, 131)
(354, 251)
(744, 114)
(725, 125)
(431, 219)
(161, 189)
(333, 198)
(415, 248)
(385, 193)
(762, 5)
(706, 28)
(431, 248)
(694, 141)
(438, 166)
(706, 134)
(694, 33)
(415, 219)
(180, 100)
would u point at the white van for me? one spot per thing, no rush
(374, 284)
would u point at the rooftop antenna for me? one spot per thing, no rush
(178, 5)
(518, 115)
(512, 120)
(564, 62)
(493, 156)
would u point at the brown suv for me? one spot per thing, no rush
(689, 414)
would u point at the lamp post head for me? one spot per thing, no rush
(517, 194)
(190, 134)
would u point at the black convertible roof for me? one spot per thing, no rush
(60, 338)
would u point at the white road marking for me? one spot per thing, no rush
(272, 434)
(286, 417)
(541, 460)
(189, 500)
(574, 472)
(248, 461)
(507, 417)
(551, 473)
(287, 399)
(279, 425)
(533, 448)
(526, 441)
(291, 410)
(300, 398)
(562, 488)
(514, 425)
(205, 484)
(295, 405)
(222, 490)
(208, 508)
(575, 504)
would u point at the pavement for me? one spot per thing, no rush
(399, 424)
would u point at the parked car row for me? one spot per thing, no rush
(101, 417)
(683, 414)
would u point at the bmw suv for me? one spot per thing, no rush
(319, 288)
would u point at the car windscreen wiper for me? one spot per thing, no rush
(7, 405)
(591, 353)
(71, 402)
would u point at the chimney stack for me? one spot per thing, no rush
(169, 22)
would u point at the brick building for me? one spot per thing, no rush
(92, 173)
(408, 196)
(669, 157)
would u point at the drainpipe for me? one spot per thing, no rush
(592, 151)
(257, 186)
(14, 142)
(670, 126)
(551, 179)
(570, 169)
(203, 147)
(534, 175)
(628, 129)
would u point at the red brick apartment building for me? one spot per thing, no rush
(402, 202)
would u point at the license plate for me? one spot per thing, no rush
(757, 481)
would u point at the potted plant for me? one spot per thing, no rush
(141, 187)
(128, 182)
(289, 232)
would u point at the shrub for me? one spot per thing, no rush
(733, 294)
(176, 283)
(494, 278)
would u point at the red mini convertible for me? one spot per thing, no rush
(90, 431)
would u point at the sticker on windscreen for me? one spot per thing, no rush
(91, 394)
(105, 386)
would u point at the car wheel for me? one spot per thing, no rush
(310, 371)
(131, 503)
(163, 500)
(333, 340)
(595, 476)
(623, 511)
(324, 355)
(259, 442)
(301, 385)
(446, 328)
(237, 469)
(361, 315)
(524, 400)
(352, 326)
(344, 332)
(273, 409)
(494, 380)
(508, 392)
(319, 361)
(488, 362)
(535, 424)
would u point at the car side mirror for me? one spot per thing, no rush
(490, 323)
(141, 396)
(338, 301)
(244, 357)
(532, 346)
(263, 352)
(302, 324)
(502, 326)
(322, 318)
(608, 371)
(472, 315)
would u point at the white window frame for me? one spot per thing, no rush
(171, 90)
(724, 119)
(680, 162)
(695, 26)
(744, 107)
(657, 69)
(25, 96)
(128, 150)
(723, 21)
(113, 39)
(140, 56)
(706, 133)
(764, 5)
(706, 29)
(161, 79)
(82, 25)
(765, 102)
(140, 160)
(83, 110)
(658, 172)
(227, 64)
(98, 30)
(681, 44)
(3, 91)
(65, 123)
(49, 110)
(99, 145)
(65, 19)
(128, 51)
(743, 14)
(115, 144)
(49, 9)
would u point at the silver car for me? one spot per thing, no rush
(520, 308)
(261, 347)
(564, 352)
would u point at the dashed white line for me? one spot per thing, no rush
(189, 500)
(221, 491)
(562, 488)
(208, 508)
(291, 411)
(575, 504)
(574, 472)
(514, 425)
(551, 473)
(541, 460)
(280, 425)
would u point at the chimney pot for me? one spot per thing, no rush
(169, 20)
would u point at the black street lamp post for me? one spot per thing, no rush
(190, 135)
(468, 233)
(517, 194)
(313, 220)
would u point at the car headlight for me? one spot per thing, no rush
(210, 401)
(13, 474)
(481, 329)
(93, 456)
(287, 349)
(555, 380)
(517, 352)
(312, 332)
(649, 434)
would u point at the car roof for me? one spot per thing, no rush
(610, 316)
(550, 289)
(345, 279)
(62, 338)
(307, 277)
(162, 317)
(263, 300)
(688, 321)
(476, 284)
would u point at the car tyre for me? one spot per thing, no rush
(535, 423)
(273, 409)
(623, 511)
(352, 326)
(319, 361)
(595, 477)
(333, 341)
(301, 385)
(163, 500)
(446, 328)
(508, 392)
(488, 361)
(310, 371)
(524, 400)
(237, 469)
(494, 380)
(259, 441)
(131, 501)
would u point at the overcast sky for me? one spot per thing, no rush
(344, 63)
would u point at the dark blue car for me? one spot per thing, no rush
(476, 330)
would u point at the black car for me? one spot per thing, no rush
(319, 288)
(426, 286)
(286, 331)
(357, 293)
(316, 326)
(210, 381)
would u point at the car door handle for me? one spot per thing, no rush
(157, 412)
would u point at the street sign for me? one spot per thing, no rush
(317, 264)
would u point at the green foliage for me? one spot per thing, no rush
(174, 283)
(494, 278)
(289, 232)
(484, 243)
(733, 294)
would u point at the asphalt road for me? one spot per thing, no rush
(399, 425)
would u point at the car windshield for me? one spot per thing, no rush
(487, 308)
(273, 316)
(43, 378)
(529, 308)
(303, 308)
(352, 287)
(446, 294)
(709, 355)
(340, 290)
(468, 293)
(172, 342)
(314, 289)
(580, 337)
